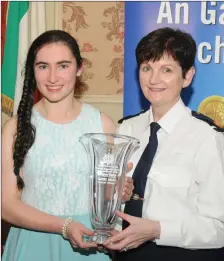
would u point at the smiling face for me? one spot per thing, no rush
(162, 81)
(55, 70)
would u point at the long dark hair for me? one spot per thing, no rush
(25, 134)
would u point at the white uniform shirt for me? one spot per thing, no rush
(185, 186)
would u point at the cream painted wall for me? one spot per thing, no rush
(112, 105)
(54, 15)
(4, 118)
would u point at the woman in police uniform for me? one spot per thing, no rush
(177, 210)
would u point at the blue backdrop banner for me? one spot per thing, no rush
(205, 22)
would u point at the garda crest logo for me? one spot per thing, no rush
(107, 160)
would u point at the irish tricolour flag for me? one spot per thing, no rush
(24, 22)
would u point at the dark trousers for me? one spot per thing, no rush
(151, 252)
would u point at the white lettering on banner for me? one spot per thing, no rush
(201, 52)
(210, 16)
(207, 47)
(221, 17)
(165, 13)
(218, 46)
(185, 8)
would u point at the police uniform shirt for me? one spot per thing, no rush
(185, 186)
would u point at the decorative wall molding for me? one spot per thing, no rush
(98, 28)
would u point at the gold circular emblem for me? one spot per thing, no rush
(213, 107)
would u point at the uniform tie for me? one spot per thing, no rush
(144, 165)
(134, 206)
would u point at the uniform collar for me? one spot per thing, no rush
(171, 118)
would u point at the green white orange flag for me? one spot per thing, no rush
(25, 21)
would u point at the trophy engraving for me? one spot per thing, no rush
(108, 156)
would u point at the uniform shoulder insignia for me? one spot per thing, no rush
(210, 121)
(131, 116)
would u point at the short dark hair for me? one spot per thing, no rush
(179, 44)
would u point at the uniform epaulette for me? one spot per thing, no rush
(210, 121)
(131, 116)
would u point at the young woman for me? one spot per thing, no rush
(44, 166)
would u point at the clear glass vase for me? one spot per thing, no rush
(108, 156)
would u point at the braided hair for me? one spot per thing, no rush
(25, 134)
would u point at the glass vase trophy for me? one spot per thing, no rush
(108, 156)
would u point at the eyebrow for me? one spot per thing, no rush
(166, 64)
(60, 62)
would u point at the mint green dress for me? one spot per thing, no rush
(56, 181)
